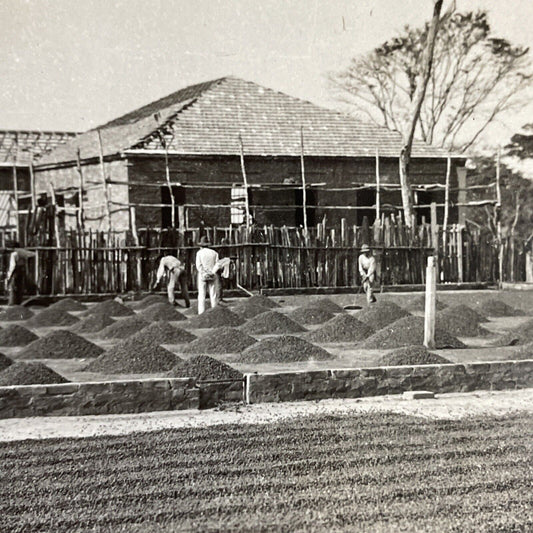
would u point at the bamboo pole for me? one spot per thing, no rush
(15, 198)
(81, 220)
(104, 178)
(498, 219)
(170, 190)
(245, 180)
(446, 200)
(32, 185)
(304, 186)
(378, 183)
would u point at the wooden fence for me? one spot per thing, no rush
(88, 262)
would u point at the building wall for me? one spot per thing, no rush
(94, 198)
(337, 172)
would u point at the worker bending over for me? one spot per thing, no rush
(16, 273)
(367, 271)
(206, 260)
(174, 270)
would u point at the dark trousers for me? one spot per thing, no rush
(17, 286)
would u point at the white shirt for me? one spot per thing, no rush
(206, 259)
(367, 265)
(169, 262)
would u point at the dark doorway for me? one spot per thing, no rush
(310, 211)
(166, 212)
(366, 197)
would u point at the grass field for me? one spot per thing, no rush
(379, 472)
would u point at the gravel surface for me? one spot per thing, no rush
(60, 344)
(465, 312)
(52, 317)
(522, 334)
(406, 332)
(5, 361)
(460, 322)
(525, 351)
(161, 311)
(68, 304)
(381, 314)
(326, 304)
(263, 300)
(135, 355)
(271, 322)
(311, 315)
(418, 303)
(284, 348)
(109, 308)
(164, 333)
(92, 323)
(220, 340)
(204, 367)
(29, 374)
(214, 318)
(124, 327)
(16, 335)
(496, 307)
(149, 300)
(15, 312)
(342, 328)
(411, 355)
(248, 310)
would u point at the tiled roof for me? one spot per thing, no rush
(20, 144)
(208, 118)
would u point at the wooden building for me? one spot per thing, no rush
(17, 149)
(184, 161)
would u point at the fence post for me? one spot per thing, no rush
(431, 298)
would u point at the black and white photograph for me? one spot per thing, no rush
(266, 266)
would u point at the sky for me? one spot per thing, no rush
(75, 64)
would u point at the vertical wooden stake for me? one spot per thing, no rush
(378, 192)
(81, 214)
(16, 198)
(460, 253)
(135, 237)
(104, 178)
(446, 201)
(245, 180)
(498, 219)
(431, 299)
(171, 192)
(32, 186)
(434, 231)
(304, 186)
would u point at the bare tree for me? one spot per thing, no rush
(475, 78)
(414, 113)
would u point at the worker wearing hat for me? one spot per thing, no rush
(367, 271)
(206, 259)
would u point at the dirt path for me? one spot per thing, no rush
(445, 406)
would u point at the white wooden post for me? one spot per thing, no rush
(431, 300)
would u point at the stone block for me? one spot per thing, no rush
(62, 388)
(32, 390)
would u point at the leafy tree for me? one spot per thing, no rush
(516, 214)
(476, 77)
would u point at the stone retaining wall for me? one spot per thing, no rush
(212, 393)
(356, 383)
(106, 397)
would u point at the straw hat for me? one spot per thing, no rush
(204, 241)
(365, 248)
